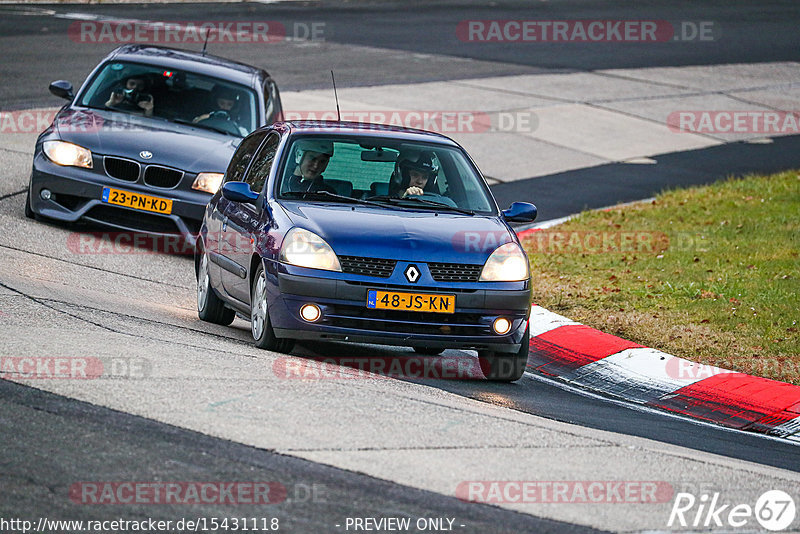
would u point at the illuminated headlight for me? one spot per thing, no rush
(63, 153)
(307, 249)
(502, 326)
(208, 182)
(506, 264)
(310, 312)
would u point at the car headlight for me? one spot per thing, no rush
(506, 264)
(63, 153)
(208, 182)
(307, 249)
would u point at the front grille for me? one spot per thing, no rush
(455, 272)
(445, 324)
(139, 220)
(367, 266)
(406, 287)
(158, 176)
(121, 169)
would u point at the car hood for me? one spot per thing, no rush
(402, 235)
(176, 145)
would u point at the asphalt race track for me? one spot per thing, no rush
(185, 401)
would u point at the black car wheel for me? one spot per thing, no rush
(260, 325)
(209, 306)
(428, 351)
(504, 367)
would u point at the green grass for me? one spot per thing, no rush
(711, 274)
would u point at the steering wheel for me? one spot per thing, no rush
(435, 197)
(222, 120)
(220, 114)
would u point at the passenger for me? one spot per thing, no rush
(132, 96)
(414, 174)
(224, 100)
(312, 158)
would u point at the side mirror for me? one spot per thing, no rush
(62, 89)
(520, 212)
(239, 192)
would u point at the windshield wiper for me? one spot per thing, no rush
(424, 201)
(204, 126)
(326, 195)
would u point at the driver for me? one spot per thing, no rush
(414, 174)
(225, 100)
(132, 96)
(311, 158)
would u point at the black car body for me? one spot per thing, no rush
(139, 172)
(433, 270)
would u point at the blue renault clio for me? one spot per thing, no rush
(365, 233)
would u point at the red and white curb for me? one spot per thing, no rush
(594, 360)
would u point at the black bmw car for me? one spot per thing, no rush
(144, 143)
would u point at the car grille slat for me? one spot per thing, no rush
(455, 272)
(158, 176)
(414, 324)
(142, 221)
(460, 324)
(121, 169)
(377, 267)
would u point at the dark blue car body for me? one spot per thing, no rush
(243, 230)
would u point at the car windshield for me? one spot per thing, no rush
(179, 96)
(386, 172)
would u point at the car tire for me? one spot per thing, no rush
(505, 367)
(428, 351)
(210, 307)
(28, 209)
(260, 325)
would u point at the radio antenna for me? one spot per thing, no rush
(336, 96)
(205, 43)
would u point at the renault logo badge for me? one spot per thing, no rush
(412, 274)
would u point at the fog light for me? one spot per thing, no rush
(45, 194)
(501, 326)
(310, 312)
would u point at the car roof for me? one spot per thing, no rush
(363, 129)
(177, 59)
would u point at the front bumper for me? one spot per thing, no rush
(345, 316)
(76, 194)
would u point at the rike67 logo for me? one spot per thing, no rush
(774, 511)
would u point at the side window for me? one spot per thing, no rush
(242, 156)
(272, 103)
(259, 172)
